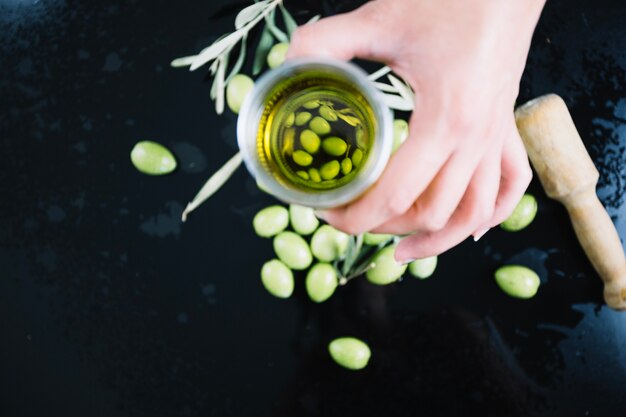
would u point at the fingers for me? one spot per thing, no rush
(406, 176)
(515, 177)
(344, 36)
(476, 208)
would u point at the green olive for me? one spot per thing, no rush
(276, 55)
(302, 118)
(400, 133)
(277, 278)
(302, 158)
(357, 157)
(319, 126)
(313, 104)
(334, 146)
(523, 214)
(292, 250)
(303, 174)
(303, 219)
(346, 166)
(310, 141)
(321, 282)
(270, 221)
(375, 239)
(329, 244)
(290, 120)
(328, 113)
(315, 175)
(385, 269)
(349, 352)
(330, 170)
(423, 268)
(152, 158)
(237, 90)
(517, 281)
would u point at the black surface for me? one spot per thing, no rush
(110, 307)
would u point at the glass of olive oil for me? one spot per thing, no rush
(315, 132)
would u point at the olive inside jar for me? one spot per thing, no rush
(315, 132)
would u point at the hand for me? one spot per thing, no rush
(463, 167)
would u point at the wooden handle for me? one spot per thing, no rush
(569, 176)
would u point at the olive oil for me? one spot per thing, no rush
(315, 132)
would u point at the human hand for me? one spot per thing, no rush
(463, 167)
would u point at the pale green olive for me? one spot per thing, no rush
(518, 281)
(293, 250)
(310, 141)
(523, 214)
(152, 158)
(346, 166)
(290, 120)
(313, 104)
(385, 269)
(237, 90)
(277, 278)
(400, 133)
(303, 219)
(302, 118)
(319, 126)
(423, 268)
(330, 170)
(303, 174)
(328, 113)
(329, 244)
(350, 352)
(276, 55)
(302, 158)
(315, 175)
(270, 221)
(357, 157)
(321, 282)
(334, 146)
(374, 239)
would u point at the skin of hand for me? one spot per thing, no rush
(463, 168)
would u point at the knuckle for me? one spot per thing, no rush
(398, 204)
(432, 223)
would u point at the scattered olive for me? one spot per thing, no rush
(293, 250)
(277, 278)
(517, 281)
(302, 158)
(237, 90)
(152, 158)
(400, 133)
(523, 214)
(330, 170)
(321, 282)
(329, 244)
(319, 126)
(271, 221)
(349, 352)
(385, 269)
(374, 239)
(310, 141)
(423, 268)
(334, 146)
(277, 54)
(303, 219)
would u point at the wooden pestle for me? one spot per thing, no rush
(569, 176)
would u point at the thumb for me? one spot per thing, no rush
(344, 36)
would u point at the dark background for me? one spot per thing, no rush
(110, 307)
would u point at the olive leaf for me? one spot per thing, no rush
(290, 22)
(183, 61)
(351, 120)
(213, 184)
(220, 79)
(376, 75)
(354, 249)
(385, 87)
(270, 21)
(265, 44)
(403, 89)
(397, 102)
(314, 19)
(249, 13)
(216, 49)
(240, 59)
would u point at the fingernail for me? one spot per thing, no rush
(480, 233)
(406, 261)
(321, 214)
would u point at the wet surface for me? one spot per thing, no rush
(109, 306)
